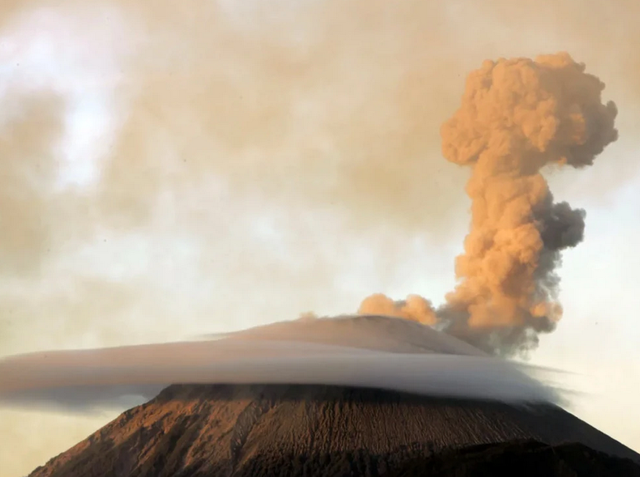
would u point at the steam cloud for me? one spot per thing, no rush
(517, 116)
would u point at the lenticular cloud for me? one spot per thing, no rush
(361, 351)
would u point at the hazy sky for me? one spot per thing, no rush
(185, 170)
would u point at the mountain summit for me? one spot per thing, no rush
(361, 396)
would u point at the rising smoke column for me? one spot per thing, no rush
(516, 117)
(414, 307)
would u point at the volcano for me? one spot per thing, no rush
(295, 430)
(363, 395)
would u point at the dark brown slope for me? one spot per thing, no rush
(309, 430)
(519, 458)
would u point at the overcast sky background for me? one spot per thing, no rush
(167, 174)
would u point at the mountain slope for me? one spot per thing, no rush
(248, 430)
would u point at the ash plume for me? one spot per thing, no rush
(517, 116)
(414, 307)
(214, 108)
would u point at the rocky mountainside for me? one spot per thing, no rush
(252, 430)
(521, 458)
